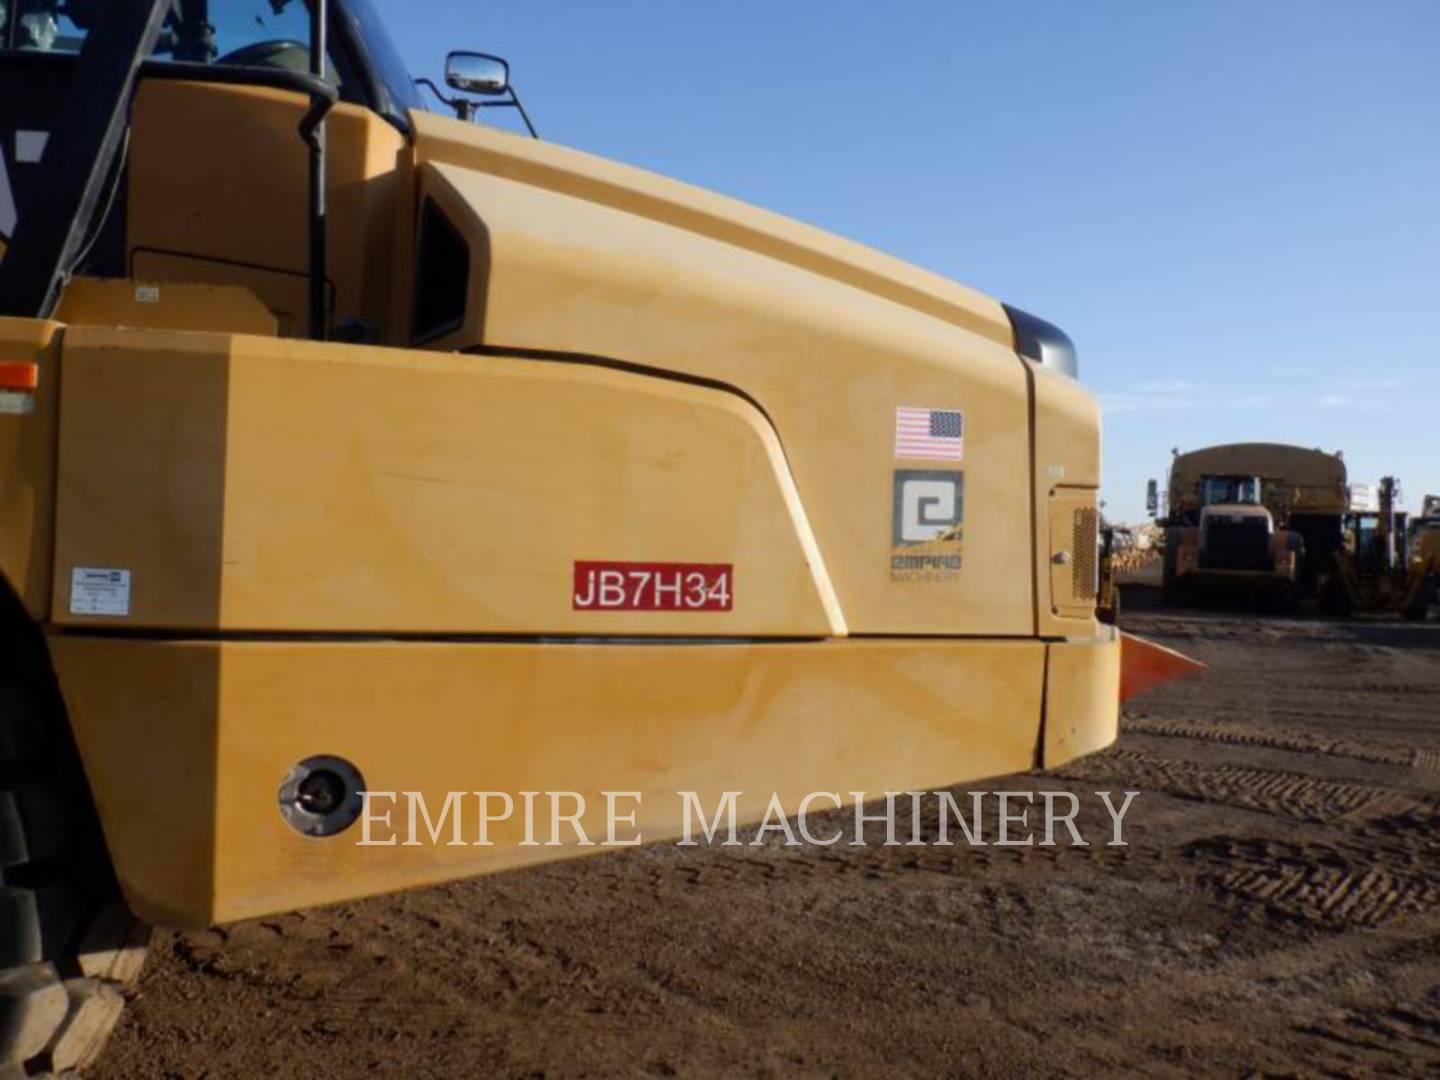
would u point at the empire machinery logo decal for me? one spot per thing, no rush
(927, 519)
(906, 819)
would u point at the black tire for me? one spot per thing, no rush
(1169, 587)
(1334, 598)
(1277, 599)
(1290, 600)
(1418, 610)
(62, 966)
(1110, 615)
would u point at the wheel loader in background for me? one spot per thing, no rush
(1254, 520)
(1116, 542)
(347, 448)
(1386, 564)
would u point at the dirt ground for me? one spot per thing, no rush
(1277, 911)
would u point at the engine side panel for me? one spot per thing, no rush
(829, 363)
(260, 484)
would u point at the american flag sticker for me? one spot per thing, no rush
(929, 434)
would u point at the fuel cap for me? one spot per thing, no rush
(320, 796)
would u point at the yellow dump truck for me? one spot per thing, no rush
(1260, 519)
(346, 447)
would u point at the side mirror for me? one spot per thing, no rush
(477, 73)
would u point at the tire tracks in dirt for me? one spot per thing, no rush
(1314, 883)
(1381, 866)
(1307, 742)
(1274, 791)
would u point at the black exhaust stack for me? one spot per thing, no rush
(312, 130)
(1043, 342)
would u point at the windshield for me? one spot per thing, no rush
(223, 32)
(1231, 489)
(381, 57)
(363, 63)
(242, 33)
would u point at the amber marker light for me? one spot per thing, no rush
(19, 375)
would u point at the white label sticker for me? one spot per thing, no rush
(147, 294)
(16, 402)
(99, 590)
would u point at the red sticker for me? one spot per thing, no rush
(646, 586)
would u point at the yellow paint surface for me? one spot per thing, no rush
(27, 464)
(186, 743)
(269, 485)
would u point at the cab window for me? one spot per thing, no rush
(244, 33)
(1220, 490)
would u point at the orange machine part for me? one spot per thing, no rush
(1145, 665)
(19, 375)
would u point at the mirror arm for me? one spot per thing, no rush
(465, 108)
(436, 91)
(513, 103)
(523, 114)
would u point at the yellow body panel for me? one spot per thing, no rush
(370, 551)
(186, 743)
(644, 196)
(269, 485)
(1082, 685)
(27, 464)
(1073, 580)
(1067, 481)
(149, 305)
(229, 208)
(827, 362)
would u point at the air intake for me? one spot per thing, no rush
(1085, 564)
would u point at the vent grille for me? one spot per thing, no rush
(1085, 567)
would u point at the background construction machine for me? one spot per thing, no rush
(1117, 547)
(1387, 563)
(345, 447)
(1423, 529)
(1259, 519)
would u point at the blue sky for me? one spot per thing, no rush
(1233, 208)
